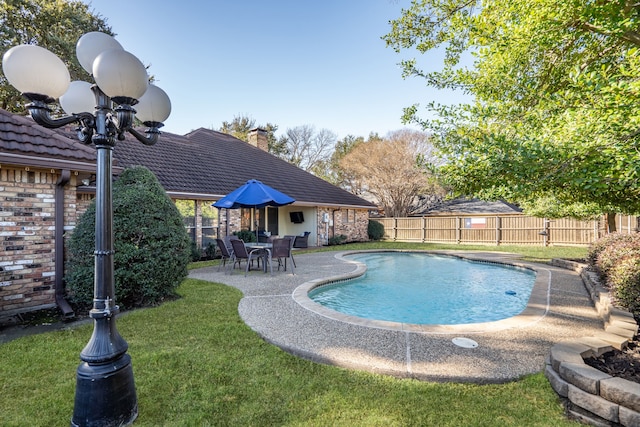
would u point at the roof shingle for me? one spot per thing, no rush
(209, 162)
(203, 163)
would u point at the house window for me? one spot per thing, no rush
(209, 222)
(348, 215)
(188, 212)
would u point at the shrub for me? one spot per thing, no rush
(246, 236)
(195, 251)
(337, 240)
(152, 247)
(624, 283)
(375, 230)
(601, 244)
(210, 250)
(616, 259)
(616, 248)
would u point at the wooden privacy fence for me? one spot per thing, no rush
(501, 229)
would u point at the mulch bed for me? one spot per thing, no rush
(619, 363)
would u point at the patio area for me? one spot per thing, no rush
(276, 308)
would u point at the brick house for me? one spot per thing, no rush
(47, 181)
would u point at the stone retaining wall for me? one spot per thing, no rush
(593, 396)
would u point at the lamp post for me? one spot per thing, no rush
(105, 388)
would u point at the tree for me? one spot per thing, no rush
(55, 25)
(335, 174)
(391, 170)
(555, 101)
(240, 126)
(152, 247)
(308, 149)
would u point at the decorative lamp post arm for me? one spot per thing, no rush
(151, 134)
(41, 113)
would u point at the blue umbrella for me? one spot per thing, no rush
(253, 194)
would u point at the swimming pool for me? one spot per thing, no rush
(429, 289)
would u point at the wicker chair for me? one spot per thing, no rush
(302, 241)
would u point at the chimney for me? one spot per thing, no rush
(258, 138)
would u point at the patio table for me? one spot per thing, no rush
(265, 252)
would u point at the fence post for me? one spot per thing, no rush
(545, 231)
(395, 229)
(424, 229)
(458, 229)
(498, 230)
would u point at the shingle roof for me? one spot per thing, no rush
(203, 163)
(472, 206)
(22, 141)
(213, 163)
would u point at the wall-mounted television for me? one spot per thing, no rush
(296, 217)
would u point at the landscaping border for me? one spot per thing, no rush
(592, 396)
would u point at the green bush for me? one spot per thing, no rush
(603, 243)
(624, 283)
(210, 250)
(246, 236)
(337, 240)
(617, 249)
(152, 247)
(195, 252)
(375, 230)
(616, 260)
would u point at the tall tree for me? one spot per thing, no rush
(335, 174)
(240, 126)
(555, 97)
(53, 24)
(391, 171)
(308, 149)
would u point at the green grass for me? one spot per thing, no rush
(197, 364)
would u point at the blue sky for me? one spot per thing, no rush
(286, 62)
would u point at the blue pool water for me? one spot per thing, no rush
(429, 289)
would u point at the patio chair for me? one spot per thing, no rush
(302, 241)
(226, 253)
(240, 253)
(292, 239)
(282, 250)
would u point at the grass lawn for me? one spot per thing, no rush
(197, 364)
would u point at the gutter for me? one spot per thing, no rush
(67, 311)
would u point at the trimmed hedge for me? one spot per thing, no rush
(152, 247)
(616, 260)
(375, 230)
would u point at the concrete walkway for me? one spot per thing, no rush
(277, 308)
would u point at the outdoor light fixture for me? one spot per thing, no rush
(105, 388)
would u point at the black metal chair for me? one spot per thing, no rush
(225, 252)
(240, 253)
(293, 240)
(282, 250)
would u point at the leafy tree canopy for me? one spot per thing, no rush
(555, 89)
(240, 126)
(53, 24)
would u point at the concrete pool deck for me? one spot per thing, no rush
(276, 307)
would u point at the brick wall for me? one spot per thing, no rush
(353, 223)
(27, 235)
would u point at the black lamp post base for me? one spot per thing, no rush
(105, 394)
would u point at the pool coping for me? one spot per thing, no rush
(536, 309)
